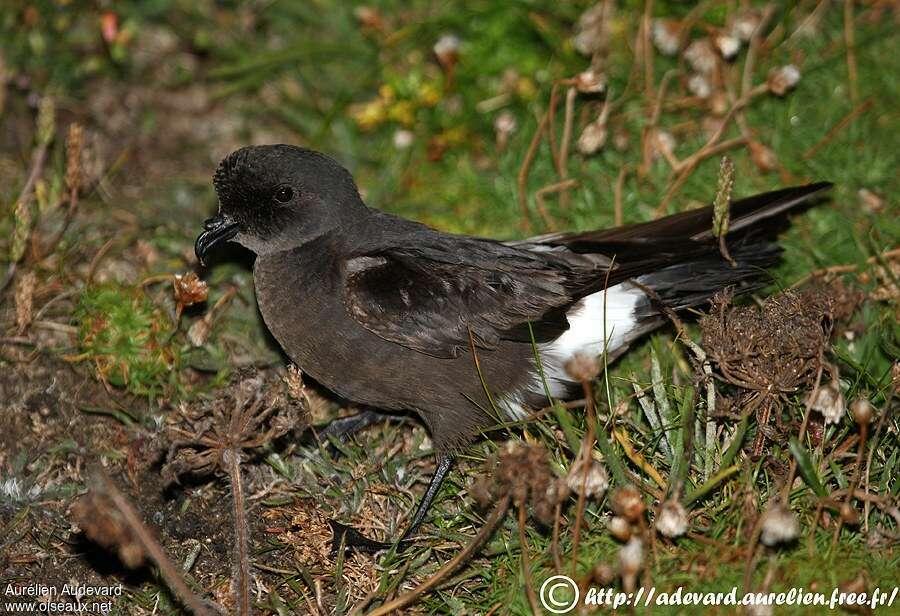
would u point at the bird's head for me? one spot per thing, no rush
(275, 197)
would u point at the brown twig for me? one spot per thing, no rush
(526, 564)
(403, 600)
(753, 49)
(617, 202)
(849, 267)
(153, 549)
(849, 41)
(885, 412)
(554, 545)
(584, 454)
(526, 166)
(232, 462)
(564, 144)
(854, 483)
(546, 190)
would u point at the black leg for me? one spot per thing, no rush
(353, 540)
(343, 428)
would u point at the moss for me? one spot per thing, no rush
(127, 338)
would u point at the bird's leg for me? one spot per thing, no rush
(342, 428)
(353, 540)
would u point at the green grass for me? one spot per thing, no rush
(309, 73)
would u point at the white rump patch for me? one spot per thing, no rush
(585, 335)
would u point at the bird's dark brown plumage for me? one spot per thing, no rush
(387, 312)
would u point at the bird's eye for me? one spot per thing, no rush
(284, 194)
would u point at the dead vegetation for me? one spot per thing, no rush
(671, 466)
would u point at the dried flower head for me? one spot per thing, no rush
(521, 472)
(591, 478)
(829, 401)
(662, 143)
(592, 29)
(368, 17)
(872, 202)
(783, 79)
(592, 138)
(603, 574)
(672, 520)
(403, 138)
(699, 86)
(591, 81)
(666, 35)
(701, 56)
(619, 528)
(727, 45)
(626, 501)
(245, 416)
(849, 514)
(582, 367)
(779, 525)
(862, 410)
(446, 49)
(631, 559)
(189, 290)
(505, 126)
(744, 24)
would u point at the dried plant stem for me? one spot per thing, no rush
(554, 545)
(526, 166)
(565, 142)
(647, 49)
(886, 411)
(402, 601)
(526, 563)
(239, 517)
(153, 549)
(587, 445)
(617, 202)
(888, 255)
(684, 168)
(752, 51)
(857, 474)
(849, 41)
(786, 492)
(558, 187)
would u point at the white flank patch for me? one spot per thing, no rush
(585, 335)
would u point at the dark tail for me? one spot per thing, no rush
(678, 256)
